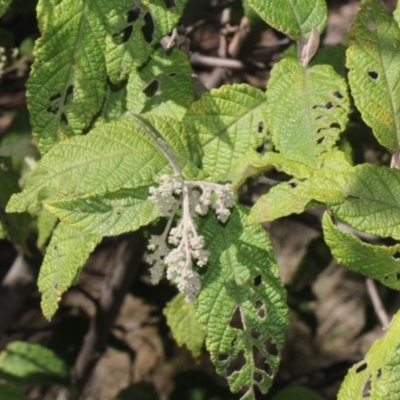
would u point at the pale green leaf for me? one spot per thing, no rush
(306, 108)
(25, 363)
(134, 30)
(229, 122)
(324, 186)
(372, 200)
(113, 156)
(293, 17)
(46, 223)
(242, 303)
(65, 256)
(181, 318)
(377, 262)
(66, 87)
(163, 86)
(377, 376)
(4, 4)
(11, 392)
(373, 58)
(112, 214)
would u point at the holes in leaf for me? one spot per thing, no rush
(258, 377)
(361, 368)
(260, 362)
(335, 125)
(271, 347)
(64, 119)
(255, 333)
(152, 88)
(338, 95)
(237, 364)
(69, 94)
(169, 4)
(398, 276)
(222, 357)
(234, 342)
(148, 28)
(373, 75)
(379, 373)
(320, 140)
(236, 320)
(260, 128)
(172, 74)
(329, 105)
(259, 306)
(257, 280)
(133, 15)
(366, 391)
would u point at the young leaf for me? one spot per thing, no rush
(134, 30)
(66, 87)
(66, 254)
(295, 18)
(31, 364)
(112, 214)
(242, 303)
(229, 122)
(376, 377)
(373, 203)
(377, 262)
(318, 104)
(163, 86)
(181, 318)
(373, 60)
(116, 155)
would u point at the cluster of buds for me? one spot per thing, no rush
(177, 248)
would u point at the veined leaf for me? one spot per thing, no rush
(377, 262)
(293, 17)
(112, 214)
(135, 28)
(229, 122)
(163, 86)
(67, 83)
(325, 185)
(117, 155)
(181, 318)
(373, 58)
(242, 304)
(46, 223)
(372, 200)
(29, 364)
(114, 102)
(318, 103)
(376, 377)
(65, 256)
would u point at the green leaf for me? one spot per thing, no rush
(66, 254)
(31, 364)
(114, 156)
(377, 262)
(4, 4)
(377, 376)
(295, 18)
(325, 186)
(134, 30)
(297, 393)
(229, 122)
(242, 303)
(67, 84)
(11, 392)
(335, 56)
(373, 59)
(318, 103)
(112, 214)
(163, 86)
(372, 200)
(46, 223)
(114, 103)
(181, 318)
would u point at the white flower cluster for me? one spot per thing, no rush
(195, 198)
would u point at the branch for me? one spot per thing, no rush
(377, 303)
(124, 264)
